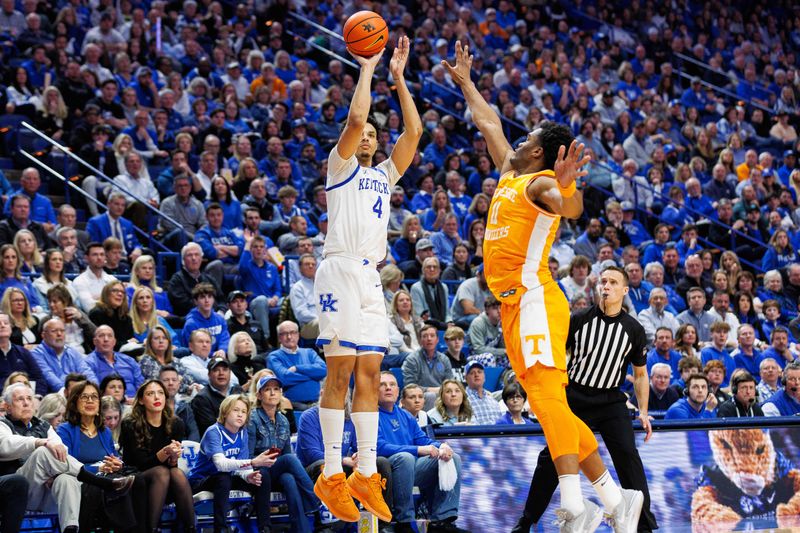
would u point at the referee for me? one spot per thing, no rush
(603, 339)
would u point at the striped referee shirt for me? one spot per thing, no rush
(602, 347)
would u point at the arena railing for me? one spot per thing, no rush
(699, 217)
(161, 251)
(716, 88)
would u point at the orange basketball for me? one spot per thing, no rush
(365, 33)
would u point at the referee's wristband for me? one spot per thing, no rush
(568, 191)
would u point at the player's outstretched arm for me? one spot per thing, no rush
(359, 107)
(483, 115)
(407, 143)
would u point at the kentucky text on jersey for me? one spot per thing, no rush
(370, 184)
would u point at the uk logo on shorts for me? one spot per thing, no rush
(328, 303)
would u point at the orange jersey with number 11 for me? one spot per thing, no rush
(518, 238)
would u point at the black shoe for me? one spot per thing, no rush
(71, 529)
(445, 526)
(524, 525)
(122, 485)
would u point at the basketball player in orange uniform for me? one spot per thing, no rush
(536, 188)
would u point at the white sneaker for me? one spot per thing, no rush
(586, 522)
(625, 517)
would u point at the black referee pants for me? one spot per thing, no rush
(604, 411)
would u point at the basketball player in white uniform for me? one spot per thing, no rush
(352, 315)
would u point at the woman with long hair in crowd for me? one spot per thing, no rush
(30, 257)
(745, 311)
(231, 207)
(150, 439)
(780, 252)
(404, 248)
(686, 341)
(746, 282)
(24, 324)
(53, 274)
(53, 116)
(452, 406)
(458, 269)
(111, 412)
(475, 236)
(729, 263)
(144, 315)
(433, 219)
(112, 310)
(478, 210)
(404, 324)
(12, 276)
(158, 353)
(143, 274)
(269, 432)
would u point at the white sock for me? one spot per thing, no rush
(571, 497)
(608, 491)
(332, 423)
(366, 424)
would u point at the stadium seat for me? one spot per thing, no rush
(493, 374)
(398, 374)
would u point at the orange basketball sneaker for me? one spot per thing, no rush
(367, 490)
(334, 494)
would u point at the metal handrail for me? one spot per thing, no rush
(87, 195)
(98, 173)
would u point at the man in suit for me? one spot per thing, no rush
(113, 224)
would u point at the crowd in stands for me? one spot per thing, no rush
(210, 123)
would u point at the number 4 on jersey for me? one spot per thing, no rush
(378, 207)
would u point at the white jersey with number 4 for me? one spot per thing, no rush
(358, 207)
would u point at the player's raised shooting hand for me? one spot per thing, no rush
(569, 165)
(459, 72)
(399, 58)
(369, 62)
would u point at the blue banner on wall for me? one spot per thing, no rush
(700, 480)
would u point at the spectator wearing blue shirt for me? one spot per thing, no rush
(696, 97)
(445, 240)
(224, 463)
(41, 209)
(222, 195)
(202, 316)
(634, 229)
(437, 150)
(299, 369)
(37, 67)
(56, 359)
(746, 355)
(778, 350)
(300, 138)
(688, 244)
(717, 350)
(415, 461)
(663, 352)
(259, 278)
(146, 88)
(698, 403)
(104, 361)
(654, 252)
(699, 204)
(454, 183)
(144, 137)
(789, 163)
(780, 252)
(675, 213)
(638, 289)
(219, 243)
